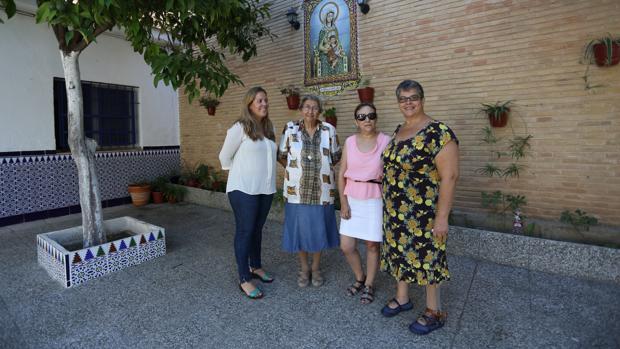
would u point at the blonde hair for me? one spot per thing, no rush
(249, 123)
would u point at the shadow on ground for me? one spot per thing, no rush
(189, 299)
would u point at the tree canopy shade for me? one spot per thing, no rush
(184, 42)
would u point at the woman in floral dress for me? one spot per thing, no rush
(420, 174)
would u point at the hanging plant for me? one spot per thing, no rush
(605, 52)
(292, 96)
(330, 116)
(497, 113)
(210, 103)
(365, 93)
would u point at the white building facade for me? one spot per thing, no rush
(135, 123)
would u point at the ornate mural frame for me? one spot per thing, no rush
(341, 79)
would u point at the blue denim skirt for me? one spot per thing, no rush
(309, 228)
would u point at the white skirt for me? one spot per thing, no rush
(366, 220)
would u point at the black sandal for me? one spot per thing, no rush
(356, 287)
(368, 295)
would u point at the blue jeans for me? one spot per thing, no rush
(250, 216)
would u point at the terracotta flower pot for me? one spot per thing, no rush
(600, 55)
(332, 120)
(211, 110)
(140, 194)
(194, 183)
(158, 197)
(293, 102)
(366, 94)
(501, 121)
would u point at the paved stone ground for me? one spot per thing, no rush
(189, 299)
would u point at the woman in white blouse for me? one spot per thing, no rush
(249, 153)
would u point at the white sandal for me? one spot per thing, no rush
(317, 279)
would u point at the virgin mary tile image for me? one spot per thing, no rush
(330, 40)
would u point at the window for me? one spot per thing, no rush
(109, 114)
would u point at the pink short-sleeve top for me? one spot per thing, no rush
(362, 167)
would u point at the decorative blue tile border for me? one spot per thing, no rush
(72, 268)
(40, 186)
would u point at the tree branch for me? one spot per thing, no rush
(100, 29)
(59, 32)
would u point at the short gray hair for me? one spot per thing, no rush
(407, 85)
(305, 98)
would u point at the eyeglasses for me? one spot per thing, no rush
(404, 99)
(309, 108)
(362, 117)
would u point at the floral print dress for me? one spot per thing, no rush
(410, 192)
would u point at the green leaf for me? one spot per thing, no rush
(43, 12)
(9, 8)
(68, 37)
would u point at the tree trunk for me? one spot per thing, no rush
(83, 152)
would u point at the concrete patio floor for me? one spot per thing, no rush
(189, 299)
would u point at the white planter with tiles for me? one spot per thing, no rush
(145, 241)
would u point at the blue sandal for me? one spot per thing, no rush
(433, 320)
(266, 278)
(256, 294)
(389, 312)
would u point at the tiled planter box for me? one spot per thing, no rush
(72, 268)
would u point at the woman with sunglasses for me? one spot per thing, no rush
(359, 184)
(309, 150)
(420, 172)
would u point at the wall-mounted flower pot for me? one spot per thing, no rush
(140, 194)
(293, 102)
(499, 121)
(600, 54)
(211, 110)
(332, 120)
(366, 94)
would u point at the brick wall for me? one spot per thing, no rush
(465, 53)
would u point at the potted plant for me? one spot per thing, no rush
(364, 91)
(292, 96)
(497, 113)
(140, 193)
(204, 175)
(157, 187)
(330, 116)
(210, 103)
(218, 182)
(605, 51)
(189, 176)
(174, 193)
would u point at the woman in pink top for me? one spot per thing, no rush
(359, 184)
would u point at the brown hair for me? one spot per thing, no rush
(250, 125)
(362, 105)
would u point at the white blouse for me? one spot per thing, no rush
(251, 164)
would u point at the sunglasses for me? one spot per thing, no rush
(362, 117)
